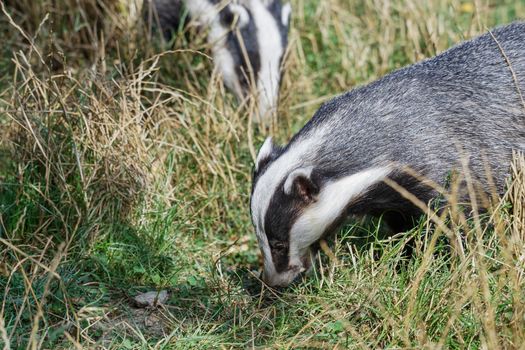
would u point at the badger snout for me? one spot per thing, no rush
(280, 280)
(283, 279)
(292, 274)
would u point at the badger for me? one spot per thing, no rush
(248, 38)
(466, 103)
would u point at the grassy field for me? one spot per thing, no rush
(125, 167)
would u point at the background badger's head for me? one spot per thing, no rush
(248, 38)
(263, 38)
(249, 41)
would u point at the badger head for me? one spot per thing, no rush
(249, 39)
(295, 202)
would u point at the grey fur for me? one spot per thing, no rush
(464, 101)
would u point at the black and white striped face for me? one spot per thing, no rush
(293, 204)
(249, 41)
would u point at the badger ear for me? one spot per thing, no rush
(235, 14)
(300, 183)
(264, 152)
(286, 13)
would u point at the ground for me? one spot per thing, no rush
(125, 168)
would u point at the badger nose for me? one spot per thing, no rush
(266, 106)
(263, 115)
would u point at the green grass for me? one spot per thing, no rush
(125, 169)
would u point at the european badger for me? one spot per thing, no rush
(263, 27)
(465, 101)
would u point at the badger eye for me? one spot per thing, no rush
(278, 245)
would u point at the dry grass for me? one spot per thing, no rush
(125, 167)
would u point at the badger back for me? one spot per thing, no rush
(168, 16)
(462, 106)
(249, 40)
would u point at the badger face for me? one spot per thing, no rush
(293, 204)
(274, 213)
(249, 41)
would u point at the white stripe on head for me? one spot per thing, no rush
(295, 157)
(264, 152)
(313, 222)
(242, 14)
(285, 14)
(225, 64)
(318, 217)
(330, 205)
(207, 14)
(270, 51)
(202, 11)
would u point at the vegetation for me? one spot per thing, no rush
(125, 167)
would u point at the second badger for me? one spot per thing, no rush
(248, 38)
(464, 102)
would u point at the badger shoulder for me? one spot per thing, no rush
(488, 66)
(465, 100)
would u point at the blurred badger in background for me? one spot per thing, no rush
(248, 37)
(466, 102)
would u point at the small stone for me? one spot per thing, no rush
(149, 299)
